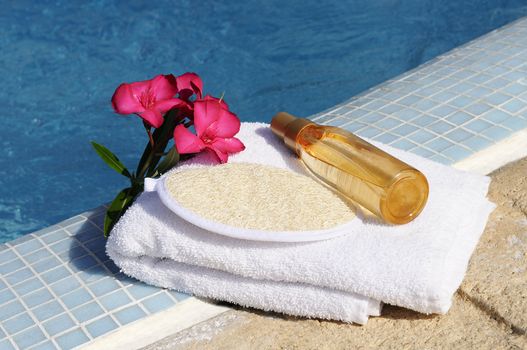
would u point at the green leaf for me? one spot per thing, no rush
(169, 161)
(111, 159)
(121, 202)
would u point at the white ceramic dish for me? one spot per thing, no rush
(158, 185)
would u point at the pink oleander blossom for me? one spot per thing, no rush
(215, 128)
(149, 99)
(189, 84)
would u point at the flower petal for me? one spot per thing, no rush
(163, 86)
(124, 102)
(152, 117)
(229, 145)
(206, 112)
(164, 105)
(189, 84)
(227, 125)
(221, 102)
(222, 156)
(187, 142)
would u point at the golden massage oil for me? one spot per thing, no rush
(379, 182)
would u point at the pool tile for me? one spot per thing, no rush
(87, 312)
(55, 236)
(460, 101)
(74, 251)
(58, 324)
(83, 263)
(47, 345)
(72, 339)
(407, 114)
(495, 116)
(404, 145)
(372, 118)
(440, 127)
(158, 302)
(114, 300)
(48, 310)
(36, 298)
(88, 234)
(6, 295)
(424, 120)
(477, 125)
(46, 264)
(355, 126)
(29, 337)
(424, 105)
(387, 123)
(514, 123)
(6, 345)
(18, 323)
(459, 118)
(404, 129)
(142, 290)
(409, 100)
(495, 133)
(514, 106)
(439, 144)
(459, 135)
(479, 92)
(129, 314)
(104, 286)
(76, 298)
(101, 326)
(55, 275)
(496, 83)
(2, 285)
(28, 286)
(497, 98)
(370, 132)
(423, 152)
(28, 247)
(440, 159)
(443, 110)
(2, 334)
(456, 152)
(11, 266)
(386, 138)
(93, 274)
(62, 246)
(46, 230)
(77, 219)
(477, 143)
(19, 276)
(37, 256)
(65, 285)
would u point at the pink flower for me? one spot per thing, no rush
(149, 99)
(215, 128)
(189, 84)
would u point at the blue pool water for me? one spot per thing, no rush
(61, 60)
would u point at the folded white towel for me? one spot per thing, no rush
(418, 265)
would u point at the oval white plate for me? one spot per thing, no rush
(239, 232)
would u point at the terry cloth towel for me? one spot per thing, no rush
(417, 265)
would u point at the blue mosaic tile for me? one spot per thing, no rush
(458, 118)
(18, 323)
(514, 105)
(46, 230)
(514, 89)
(96, 244)
(6, 345)
(104, 286)
(76, 298)
(46, 264)
(72, 339)
(58, 324)
(496, 83)
(87, 312)
(478, 125)
(460, 101)
(29, 337)
(372, 118)
(477, 143)
(19, 276)
(76, 251)
(424, 105)
(37, 256)
(2, 334)
(456, 152)
(407, 114)
(6, 295)
(142, 290)
(114, 300)
(2, 285)
(55, 274)
(130, 314)
(93, 274)
(422, 152)
(28, 247)
(459, 135)
(424, 120)
(390, 108)
(36, 298)
(495, 133)
(55, 236)
(48, 310)
(65, 285)
(496, 116)
(439, 144)
(28, 286)
(11, 266)
(182, 296)
(101, 326)
(386, 138)
(158, 302)
(479, 92)
(62, 246)
(443, 110)
(355, 126)
(497, 98)
(404, 145)
(387, 123)
(514, 123)
(370, 132)
(404, 129)
(47, 345)
(440, 159)
(88, 234)
(73, 220)
(409, 100)
(83, 263)
(440, 127)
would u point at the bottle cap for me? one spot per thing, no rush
(287, 127)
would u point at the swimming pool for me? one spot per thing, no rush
(61, 60)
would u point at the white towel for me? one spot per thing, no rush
(418, 265)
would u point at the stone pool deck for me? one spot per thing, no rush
(58, 289)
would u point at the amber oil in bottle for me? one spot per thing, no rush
(386, 186)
